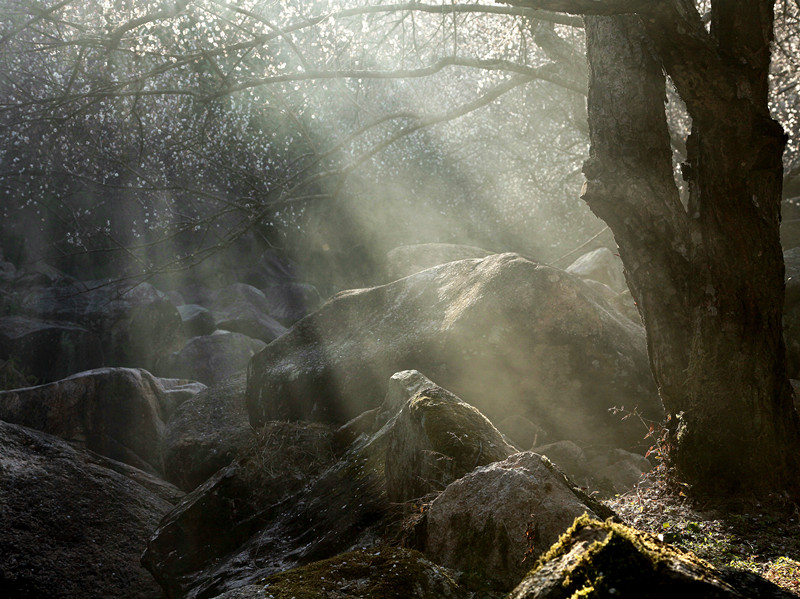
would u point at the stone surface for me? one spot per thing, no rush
(569, 458)
(250, 520)
(74, 523)
(436, 439)
(177, 391)
(375, 573)
(206, 433)
(600, 265)
(116, 412)
(49, 351)
(136, 324)
(292, 497)
(508, 336)
(487, 522)
(196, 320)
(210, 359)
(606, 559)
(242, 308)
(289, 302)
(409, 259)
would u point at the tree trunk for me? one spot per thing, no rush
(707, 277)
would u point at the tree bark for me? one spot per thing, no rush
(707, 277)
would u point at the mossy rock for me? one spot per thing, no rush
(609, 560)
(376, 573)
(438, 438)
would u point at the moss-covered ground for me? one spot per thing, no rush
(758, 535)
(377, 573)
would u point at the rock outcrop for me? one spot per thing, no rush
(600, 265)
(116, 412)
(196, 320)
(436, 439)
(241, 308)
(294, 496)
(206, 433)
(495, 521)
(408, 259)
(136, 323)
(210, 359)
(74, 523)
(49, 351)
(374, 573)
(507, 335)
(276, 508)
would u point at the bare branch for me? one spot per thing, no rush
(546, 74)
(589, 7)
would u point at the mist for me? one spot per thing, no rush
(278, 278)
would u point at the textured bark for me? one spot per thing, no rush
(708, 277)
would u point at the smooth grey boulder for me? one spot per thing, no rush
(136, 324)
(116, 412)
(495, 521)
(49, 351)
(600, 265)
(210, 359)
(196, 320)
(206, 433)
(289, 302)
(409, 259)
(507, 335)
(242, 308)
(74, 523)
(287, 504)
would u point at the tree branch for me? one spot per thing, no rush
(543, 73)
(589, 7)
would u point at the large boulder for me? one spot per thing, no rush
(600, 265)
(287, 500)
(607, 559)
(116, 412)
(377, 573)
(74, 523)
(49, 350)
(271, 511)
(241, 308)
(496, 520)
(210, 359)
(436, 439)
(507, 335)
(605, 470)
(196, 320)
(408, 259)
(289, 302)
(206, 433)
(136, 324)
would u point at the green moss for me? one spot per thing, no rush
(376, 573)
(621, 561)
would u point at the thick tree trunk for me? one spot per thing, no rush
(707, 277)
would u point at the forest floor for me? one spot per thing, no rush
(761, 536)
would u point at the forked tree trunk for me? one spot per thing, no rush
(707, 277)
